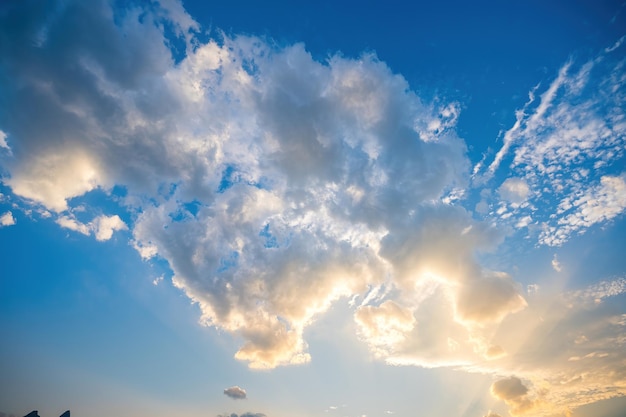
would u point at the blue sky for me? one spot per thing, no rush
(279, 209)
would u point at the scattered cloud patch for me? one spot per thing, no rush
(564, 152)
(598, 204)
(602, 290)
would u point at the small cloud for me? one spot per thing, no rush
(236, 393)
(3, 141)
(7, 219)
(74, 173)
(514, 190)
(494, 352)
(599, 204)
(514, 393)
(157, 280)
(532, 289)
(556, 265)
(482, 207)
(146, 249)
(492, 414)
(509, 388)
(73, 224)
(104, 226)
(523, 222)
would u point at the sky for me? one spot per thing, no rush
(311, 209)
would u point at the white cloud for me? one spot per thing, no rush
(387, 324)
(597, 204)
(514, 190)
(71, 223)
(444, 301)
(3, 141)
(337, 177)
(602, 290)
(301, 173)
(53, 178)
(616, 45)
(104, 226)
(7, 219)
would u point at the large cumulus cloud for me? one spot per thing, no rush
(273, 184)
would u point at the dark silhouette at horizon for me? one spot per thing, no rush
(35, 413)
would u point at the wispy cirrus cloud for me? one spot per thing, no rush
(565, 151)
(597, 204)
